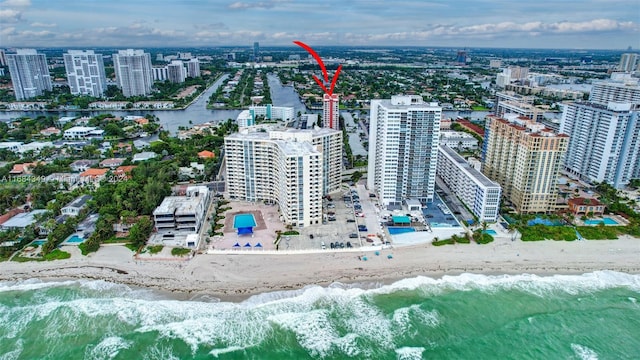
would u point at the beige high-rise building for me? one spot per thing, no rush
(525, 158)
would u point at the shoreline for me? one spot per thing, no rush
(237, 277)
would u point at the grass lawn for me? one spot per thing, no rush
(599, 232)
(543, 232)
(56, 254)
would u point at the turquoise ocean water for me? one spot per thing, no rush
(590, 316)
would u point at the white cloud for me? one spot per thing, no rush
(39, 24)
(16, 3)
(10, 16)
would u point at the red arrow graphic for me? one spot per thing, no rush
(323, 68)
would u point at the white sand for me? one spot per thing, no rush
(241, 275)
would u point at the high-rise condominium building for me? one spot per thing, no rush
(256, 51)
(133, 72)
(477, 192)
(193, 68)
(29, 73)
(331, 111)
(605, 133)
(524, 157)
(85, 73)
(629, 62)
(404, 134)
(176, 73)
(293, 168)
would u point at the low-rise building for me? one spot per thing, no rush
(458, 140)
(74, 207)
(93, 175)
(82, 165)
(21, 221)
(144, 156)
(83, 133)
(183, 213)
(583, 206)
(476, 191)
(112, 163)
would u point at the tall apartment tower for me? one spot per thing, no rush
(629, 62)
(331, 111)
(525, 158)
(605, 133)
(176, 73)
(256, 51)
(193, 68)
(285, 167)
(133, 72)
(404, 134)
(3, 58)
(85, 73)
(29, 73)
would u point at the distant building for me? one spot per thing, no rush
(458, 140)
(476, 191)
(133, 72)
(495, 63)
(176, 73)
(629, 62)
(331, 111)
(604, 132)
(83, 133)
(183, 213)
(160, 73)
(256, 51)
(193, 68)
(512, 103)
(21, 221)
(268, 112)
(144, 156)
(73, 208)
(82, 165)
(404, 134)
(524, 157)
(29, 73)
(85, 73)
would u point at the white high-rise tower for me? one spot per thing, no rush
(85, 73)
(404, 134)
(29, 73)
(133, 72)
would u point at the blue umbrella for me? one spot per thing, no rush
(247, 245)
(389, 256)
(236, 245)
(364, 258)
(377, 253)
(258, 245)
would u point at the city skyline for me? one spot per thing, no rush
(569, 24)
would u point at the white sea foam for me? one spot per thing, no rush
(404, 318)
(33, 284)
(313, 330)
(409, 353)
(159, 352)
(583, 352)
(534, 284)
(217, 352)
(108, 348)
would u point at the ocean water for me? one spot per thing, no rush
(590, 316)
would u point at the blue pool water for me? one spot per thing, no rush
(38, 242)
(243, 220)
(400, 230)
(606, 221)
(491, 232)
(75, 239)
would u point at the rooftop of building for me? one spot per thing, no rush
(23, 220)
(462, 163)
(80, 201)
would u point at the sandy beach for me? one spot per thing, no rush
(238, 276)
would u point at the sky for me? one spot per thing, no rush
(573, 24)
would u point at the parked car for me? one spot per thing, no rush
(353, 236)
(363, 229)
(331, 206)
(351, 220)
(323, 246)
(349, 244)
(310, 236)
(372, 195)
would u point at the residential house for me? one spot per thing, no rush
(206, 154)
(123, 148)
(83, 133)
(73, 208)
(194, 169)
(93, 175)
(144, 156)
(82, 165)
(21, 221)
(583, 206)
(123, 172)
(9, 214)
(112, 163)
(140, 144)
(50, 131)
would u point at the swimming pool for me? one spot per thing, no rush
(38, 242)
(606, 221)
(243, 221)
(400, 230)
(74, 239)
(491, 232)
